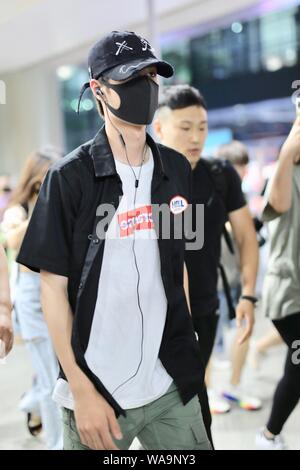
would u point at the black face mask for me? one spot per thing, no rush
(139, 100)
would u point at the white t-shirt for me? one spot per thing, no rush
(131, 307)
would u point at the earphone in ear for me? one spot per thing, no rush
(99, 92)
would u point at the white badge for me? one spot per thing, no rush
(178, 204)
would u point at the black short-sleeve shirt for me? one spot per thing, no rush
(62, 239)
(202, 265)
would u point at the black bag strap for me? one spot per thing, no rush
(231, 308)
(216, 172)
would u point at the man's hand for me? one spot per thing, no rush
(96, 421)
(6, 332)
(245, 311)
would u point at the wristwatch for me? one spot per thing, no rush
(251, 299)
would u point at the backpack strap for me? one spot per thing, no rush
(227, 292)
(216, 171)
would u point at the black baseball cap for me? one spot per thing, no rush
(121, 55)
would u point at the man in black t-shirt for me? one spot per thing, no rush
(181, 123)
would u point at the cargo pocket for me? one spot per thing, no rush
(71, 435)
(199, 434)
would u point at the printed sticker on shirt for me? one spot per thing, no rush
(138, 219)
(178, 205)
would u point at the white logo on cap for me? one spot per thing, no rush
(124, 69)
(122, 46)
(146, 45)
(178, 204)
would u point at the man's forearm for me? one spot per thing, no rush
(244, 233)
(249, 257)
(59, 317)
(280, 195)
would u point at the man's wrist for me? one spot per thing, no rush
(248, 289)
(250, 298)
(80, 385)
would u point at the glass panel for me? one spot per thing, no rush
(78, 128)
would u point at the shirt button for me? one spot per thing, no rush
(80, 285)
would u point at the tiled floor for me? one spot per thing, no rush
(235, 430)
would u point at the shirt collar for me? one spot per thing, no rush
(104, 162)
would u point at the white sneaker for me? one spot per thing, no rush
(245, 401)
(269, 444)
(217, 404)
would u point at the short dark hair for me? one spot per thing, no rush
(181, 96)
(235, 152)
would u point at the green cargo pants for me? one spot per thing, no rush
(163, 424)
